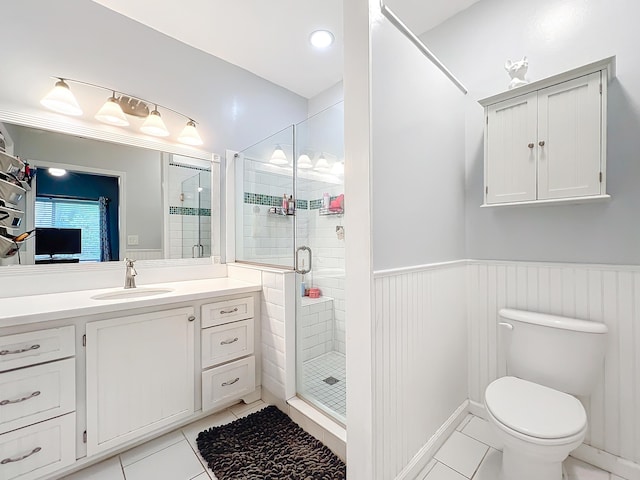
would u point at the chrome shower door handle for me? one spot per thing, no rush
(302, 249)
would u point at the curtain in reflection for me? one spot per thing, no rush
(105, 246)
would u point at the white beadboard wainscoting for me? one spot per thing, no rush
(603, 293)
(420, 352)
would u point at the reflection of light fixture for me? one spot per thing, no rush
(321, 38)
(322, 164)
(338, 168)
(304, 161)
(116, 109)
(154, 125)
(200, 189)
(278, 157)
(57, 172)
(112, 113)
(189, 134)
(61, 100)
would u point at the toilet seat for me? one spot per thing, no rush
(534, 412)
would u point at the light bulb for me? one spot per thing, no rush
(154, 125)
(278, 156)
(189, 135)
(112, 113)
(61, 100)
(304, 161)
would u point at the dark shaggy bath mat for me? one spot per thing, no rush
(267, 445)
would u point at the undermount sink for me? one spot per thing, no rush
(139, 292)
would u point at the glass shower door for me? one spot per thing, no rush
(196, 221)
(319, 241)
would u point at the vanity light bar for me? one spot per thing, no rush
(62, 100)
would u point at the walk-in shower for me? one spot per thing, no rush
(303, 164)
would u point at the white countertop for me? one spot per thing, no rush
(55, 306)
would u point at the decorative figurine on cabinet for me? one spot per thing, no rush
(517, 71)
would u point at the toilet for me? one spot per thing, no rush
(533, 410)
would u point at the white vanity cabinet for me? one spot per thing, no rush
(227, 351)
(546, 141)
(140, 375)
(83, 379)
(37, 403)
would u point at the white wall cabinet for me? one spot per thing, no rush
(546, 141)
(140, 375)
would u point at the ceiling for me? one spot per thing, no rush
(270, 38)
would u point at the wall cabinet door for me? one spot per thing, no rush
(510, 138)
(140, 375)
(570, 138)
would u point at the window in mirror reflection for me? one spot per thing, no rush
(76, 201)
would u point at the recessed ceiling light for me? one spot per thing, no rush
(321, 38)
(57, 172)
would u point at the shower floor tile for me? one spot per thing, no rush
(316, 371)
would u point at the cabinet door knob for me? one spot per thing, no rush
(531, 145)
(191, 318)
(541, 143)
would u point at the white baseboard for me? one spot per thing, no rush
(598, 458)
(477, 409)
(426, 453)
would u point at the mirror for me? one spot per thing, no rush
(126, 201)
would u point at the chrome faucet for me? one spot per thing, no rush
(130, 276)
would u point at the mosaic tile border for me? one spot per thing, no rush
(191, 167)
(276, 201)
(199, 212)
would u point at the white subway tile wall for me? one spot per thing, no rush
(273, 333)
(316, 321)
(188, 231)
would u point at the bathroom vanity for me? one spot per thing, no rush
(87, 374)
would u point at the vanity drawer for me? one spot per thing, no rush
(228, 382)
(38, 450)
(227, 311)
(33, 394)
(31, 348)
(227, 342)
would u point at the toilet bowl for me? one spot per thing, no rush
(538, 427)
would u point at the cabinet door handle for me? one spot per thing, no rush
(22, 350)
(11, 460)
(541, 143)
(531, 145)
(191, 318)
(229, 342)
(230, 382)
(224, 312)
(18, 400)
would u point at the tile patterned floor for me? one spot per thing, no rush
(316, 370)
(173, 456)
(472, 452)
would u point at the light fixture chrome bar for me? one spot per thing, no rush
(399, 24)
(130, 97)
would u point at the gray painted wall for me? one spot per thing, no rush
(418, 156)
(556, 36)
(81, 39)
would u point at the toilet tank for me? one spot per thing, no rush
(563, 353)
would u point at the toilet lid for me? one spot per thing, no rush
(533, 409)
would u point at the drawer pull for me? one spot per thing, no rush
(8, 352)
(7, 402)
(11, 460)
(230, 382)
(229, 342)
(224, 312)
